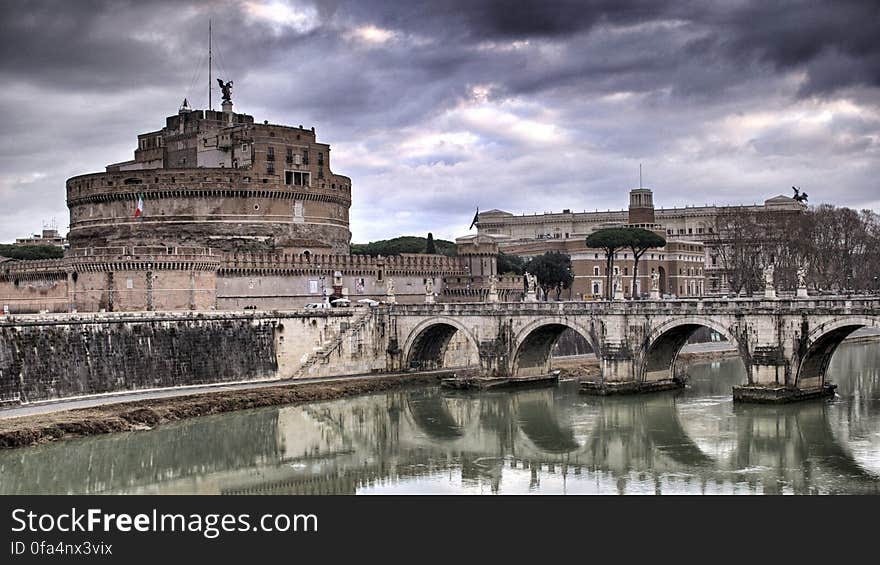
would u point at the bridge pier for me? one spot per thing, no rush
(772, 379)
(771, 394)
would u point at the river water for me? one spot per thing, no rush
(542, 441)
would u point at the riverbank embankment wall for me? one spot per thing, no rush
(46, 357)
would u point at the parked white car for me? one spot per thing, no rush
(344, 302)
(368, 302)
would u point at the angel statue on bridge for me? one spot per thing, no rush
(768, 276)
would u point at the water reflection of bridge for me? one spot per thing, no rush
(344, 446)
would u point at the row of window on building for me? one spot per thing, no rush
(293, 158)
(690, 231)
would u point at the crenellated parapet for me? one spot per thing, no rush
(46, 270)
(356, 265)
(194, 183)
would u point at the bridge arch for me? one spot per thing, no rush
(656, 360)
(535, 341)
(427, 344)
(816, 352)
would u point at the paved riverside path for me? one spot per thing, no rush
(50, 406)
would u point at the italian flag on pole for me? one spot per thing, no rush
(139, 211)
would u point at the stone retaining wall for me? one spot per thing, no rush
(60, 356)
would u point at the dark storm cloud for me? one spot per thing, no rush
(433, 105)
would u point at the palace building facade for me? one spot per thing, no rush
(689, 265)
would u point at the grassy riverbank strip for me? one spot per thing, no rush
(147, 414)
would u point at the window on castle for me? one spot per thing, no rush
(270, 153)
(305, 157)
(320, 173)
(270, 168)
(289, 157)
(595, 270)
(297, 178)
(320, 159)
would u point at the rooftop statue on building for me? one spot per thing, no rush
(227, 89)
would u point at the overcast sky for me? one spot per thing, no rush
(434, 108)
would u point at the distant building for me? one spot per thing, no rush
(47, 237)
(688, 265)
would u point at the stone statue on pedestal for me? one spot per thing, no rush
(493, 288)
(617, 285)
(769, 291)
(655, 286)
(531, 287)
(429, 290)
(802, 282)
(389, 292)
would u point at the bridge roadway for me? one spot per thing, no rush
(786, 344)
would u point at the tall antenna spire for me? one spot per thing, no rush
(210, 101)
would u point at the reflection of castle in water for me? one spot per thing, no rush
(342, 446)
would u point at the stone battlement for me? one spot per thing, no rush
(347, 264)
(171, 316)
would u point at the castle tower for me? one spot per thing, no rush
(641, 206)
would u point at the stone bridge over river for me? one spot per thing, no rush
(785, 344)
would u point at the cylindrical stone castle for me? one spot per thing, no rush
(216, 180)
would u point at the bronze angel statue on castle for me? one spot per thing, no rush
(226, 87)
